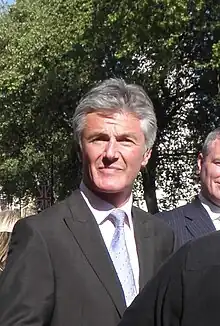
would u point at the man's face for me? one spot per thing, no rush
(113, 151)
(209, 168)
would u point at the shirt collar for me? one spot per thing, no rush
(102, 209)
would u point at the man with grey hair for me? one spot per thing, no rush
(82, 261)
(202, 215)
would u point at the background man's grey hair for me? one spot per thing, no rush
(115, 95)
(213, 135)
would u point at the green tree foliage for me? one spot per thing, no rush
(39, 90)
(196, 103)
(170, 48)
(53, 51)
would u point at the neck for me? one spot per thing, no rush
(209, 199)
(116, 199)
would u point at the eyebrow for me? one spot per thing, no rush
(123, 135)
(97, 134)
(127, 135)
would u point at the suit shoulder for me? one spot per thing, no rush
(204, 252)
(49, 216)
(157, 222)
(173, 213)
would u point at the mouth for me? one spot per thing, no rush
(113, 168)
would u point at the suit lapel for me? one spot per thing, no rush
(197, 220)
(85, 230)
(144, 233)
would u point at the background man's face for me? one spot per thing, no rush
(113, 151)
(209, 168)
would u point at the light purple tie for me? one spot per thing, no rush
(120, 257)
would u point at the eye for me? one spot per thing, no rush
(126, 141)
(99, 138)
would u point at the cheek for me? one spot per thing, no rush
(214, 173)
(90, 154)
(210, 176)
(217, 171)
(135, 159)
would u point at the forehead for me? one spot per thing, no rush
(112, 119)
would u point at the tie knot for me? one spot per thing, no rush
(119, 216)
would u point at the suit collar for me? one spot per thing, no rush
(212, 209)
(85, 230)
(144, 234)
(197, 220)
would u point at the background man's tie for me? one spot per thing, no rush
(120, 257)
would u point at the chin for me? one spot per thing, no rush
(109, 189)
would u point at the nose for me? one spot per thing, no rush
(111, 152)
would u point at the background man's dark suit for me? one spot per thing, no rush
(185, 292)
(189, 221)
(69, 269)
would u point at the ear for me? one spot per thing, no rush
(77, 151)
(199, 162)
(146, 157)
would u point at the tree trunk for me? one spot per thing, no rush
(149, 176)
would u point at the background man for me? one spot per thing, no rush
(83, 260)
(202, 215)
(186, 290)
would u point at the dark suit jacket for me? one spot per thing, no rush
(186, 290)
(59, 272)
(189, 221)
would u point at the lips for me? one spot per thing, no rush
(111, 168)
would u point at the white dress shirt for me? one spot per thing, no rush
(101, 211)
(212, 209)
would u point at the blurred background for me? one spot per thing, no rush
(53, 51)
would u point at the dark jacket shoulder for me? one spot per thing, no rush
(175, 211)
(204, 252)
(188, 209)
(58, 210)
(156, 220)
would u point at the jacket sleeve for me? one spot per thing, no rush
(27, 283)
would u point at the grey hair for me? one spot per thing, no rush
(115, 95)
(213, 135)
